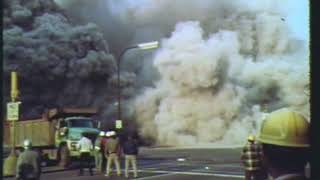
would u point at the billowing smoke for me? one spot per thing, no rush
(221, 65)
(60, 64)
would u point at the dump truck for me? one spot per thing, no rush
(56, 134)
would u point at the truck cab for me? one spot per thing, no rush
(70, 124)
(69, 132)
(55, 134)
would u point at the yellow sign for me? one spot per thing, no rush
(118, 124)
(13, 111)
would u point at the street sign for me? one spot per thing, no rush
(13, 111)
(118, 124)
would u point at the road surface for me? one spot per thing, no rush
(168, 164)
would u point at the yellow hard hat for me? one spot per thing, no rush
(251, 138)
(285, 128)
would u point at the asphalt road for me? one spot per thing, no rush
(72, 175)
(170, 164)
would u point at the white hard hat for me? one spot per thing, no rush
(107, 133)
(112, 133)
(102, 133)
(27, 143)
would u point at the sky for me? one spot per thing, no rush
(299, 21)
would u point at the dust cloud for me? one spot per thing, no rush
(222, 65)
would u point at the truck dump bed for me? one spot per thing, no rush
(67, 112)
(40, 131)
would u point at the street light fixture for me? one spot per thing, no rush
(148, 45)
(142, 46)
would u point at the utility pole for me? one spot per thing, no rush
(12, 115)
(14, 98)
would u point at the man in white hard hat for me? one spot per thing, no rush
(98, 151)
(104, 144)
(28, 165)
(285, 145)
(112, 151)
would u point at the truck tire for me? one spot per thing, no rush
(64, 156)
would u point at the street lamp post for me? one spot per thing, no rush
(143, 46)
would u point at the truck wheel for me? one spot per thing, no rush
(64, 156)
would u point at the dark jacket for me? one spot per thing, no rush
(130, 147)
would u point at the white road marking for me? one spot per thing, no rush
(195, 173)
(227, 165)
(155, 176)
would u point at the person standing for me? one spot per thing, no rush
(104, 144)
(85, 147)
(130, 149)
(251, 158)
(28, 164)
(98, 151)
(284, 136)
(112, 150)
